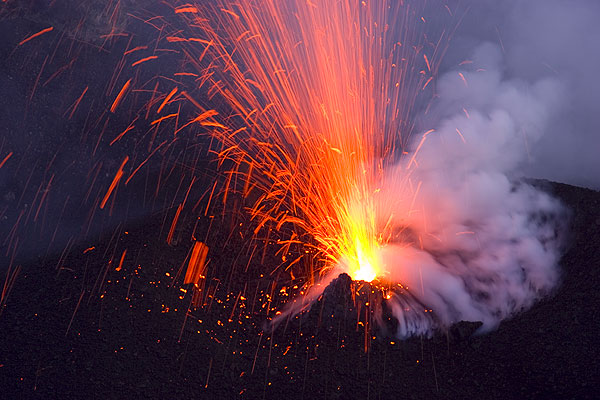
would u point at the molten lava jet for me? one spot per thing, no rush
(324, 140)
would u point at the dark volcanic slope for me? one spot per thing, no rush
(86, 330)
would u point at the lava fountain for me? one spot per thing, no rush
(321, 142)
(322, 96)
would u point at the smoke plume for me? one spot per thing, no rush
(483, 244)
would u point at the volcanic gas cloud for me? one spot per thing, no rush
(484, 243)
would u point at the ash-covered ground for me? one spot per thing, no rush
(76, 327)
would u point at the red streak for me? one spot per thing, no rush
(143, 60)
(135, 49)
(191, 99)
(186, 9)
(427, 62)
(130, 127)
(116, 180)
(173, 225)
(231, 13)
(59, 71)
(173, 39)
(144, 162)
(196, 264)
(121, 260)
(89, 249)
(163, 118)
(120, 96)
(6, 159)
(428, 81)
(166, 101)
(76, 104)
(36, 35)
(200, 118)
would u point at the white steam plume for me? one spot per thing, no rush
(482, 244)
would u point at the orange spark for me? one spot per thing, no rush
(120, 135)
(196, 264)
(157, 121)
(120, 96)
(144, 162)
(186, 9)
(166, 100)
(173, 39)
(76, 104)
(135, 49)
(416, 152)
(89, 249)
(192, 100)
(121, 260)
(144, 60)
(427, 62)
(200, 118)
(114, 182)
(35, 35)
(230, 13)
(9, 155)
(428, 81)
(173, 224)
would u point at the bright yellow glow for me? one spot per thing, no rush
(356, 247)
(363, 265)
